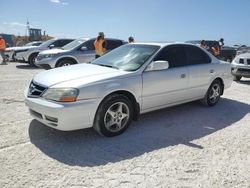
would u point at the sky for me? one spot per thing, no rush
(145, 20)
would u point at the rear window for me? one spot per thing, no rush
(196, 55)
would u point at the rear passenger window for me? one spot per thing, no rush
(196, 56)
(175, 55)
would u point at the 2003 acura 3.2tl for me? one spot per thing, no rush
(133, 79)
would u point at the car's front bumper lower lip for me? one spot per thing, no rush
(66, 116)
(46, 63)
(241, 71)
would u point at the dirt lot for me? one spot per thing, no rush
(185, 146)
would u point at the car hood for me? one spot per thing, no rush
(244, 55)
(19, 48)
(76, 75)
(53, 51)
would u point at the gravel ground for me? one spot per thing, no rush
(185, 146)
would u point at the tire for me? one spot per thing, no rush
(65, 62)
(114, 115)
(237, 78)
(32, 59)
(14, 57)
(213, 94)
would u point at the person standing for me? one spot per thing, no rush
(221, 43)
(203, 44)
(2, 49)
(131, 39)
(99, 45)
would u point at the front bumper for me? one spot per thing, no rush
(46, 63)
(21, 56)
(63, 116)
(241, 71)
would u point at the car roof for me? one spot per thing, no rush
(107, 39)
(162, 44)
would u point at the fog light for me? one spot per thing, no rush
(53, 119)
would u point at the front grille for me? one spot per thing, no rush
(241, 61)
(247, 71)
(35, 90)
(248, 61)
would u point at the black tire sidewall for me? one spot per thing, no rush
(32, 60)
(103, 109)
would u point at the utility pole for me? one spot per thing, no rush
(27, 29)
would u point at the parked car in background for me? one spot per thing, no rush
(243, 49)
(226, 53)
(10, 52)
(133, 79)
(241, 66)
(29, 55)
(78, 51)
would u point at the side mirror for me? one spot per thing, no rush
(158, 65)
(84, 48)
(51, 46)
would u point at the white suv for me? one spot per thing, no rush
(241, 66)
(29, 55)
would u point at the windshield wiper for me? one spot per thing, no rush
(110, 66)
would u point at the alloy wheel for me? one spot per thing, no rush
(214, 93)
(116, 116)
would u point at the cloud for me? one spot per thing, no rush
(55, 1)
(14, 28)
(59, 2)
(14, 24)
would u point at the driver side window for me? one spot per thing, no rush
(174, 54)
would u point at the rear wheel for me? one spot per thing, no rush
(113, 116)
(237, 78)
(213, 94)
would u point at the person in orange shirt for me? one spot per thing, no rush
(216, 50)
(2, 49)
(99, 45)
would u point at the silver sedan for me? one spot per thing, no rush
(131, 80)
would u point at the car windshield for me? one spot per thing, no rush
(73, 44)
(47, 43)
(33, 44)
(129, 57)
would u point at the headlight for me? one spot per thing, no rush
(48, 55)
(61, 95)
(43, 56)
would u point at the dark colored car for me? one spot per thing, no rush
(226, 53)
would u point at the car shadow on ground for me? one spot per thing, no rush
(156, 130)
(26, 66)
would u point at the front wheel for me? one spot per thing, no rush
(113, 116)
(32, 59)
(65, 62)
(213, 94)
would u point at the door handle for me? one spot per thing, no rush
(183, 75)
(212, 71)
